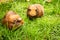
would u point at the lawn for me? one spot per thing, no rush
(45, 28)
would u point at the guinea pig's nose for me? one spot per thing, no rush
(19, 20)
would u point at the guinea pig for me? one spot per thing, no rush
(35, 10)
(11, 19)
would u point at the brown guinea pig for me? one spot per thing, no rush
(12, 20)
(35, 10)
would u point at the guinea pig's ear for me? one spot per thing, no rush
(29, 9)
(36, 11)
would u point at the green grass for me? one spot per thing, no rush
(44, 28)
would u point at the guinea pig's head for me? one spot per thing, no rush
(14, 21)
(32, 10)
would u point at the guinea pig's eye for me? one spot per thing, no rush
(29, 9)
(35, 10)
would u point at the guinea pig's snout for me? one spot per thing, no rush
(18, 21)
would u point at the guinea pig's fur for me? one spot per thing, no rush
(35, 10)
(12, 19)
